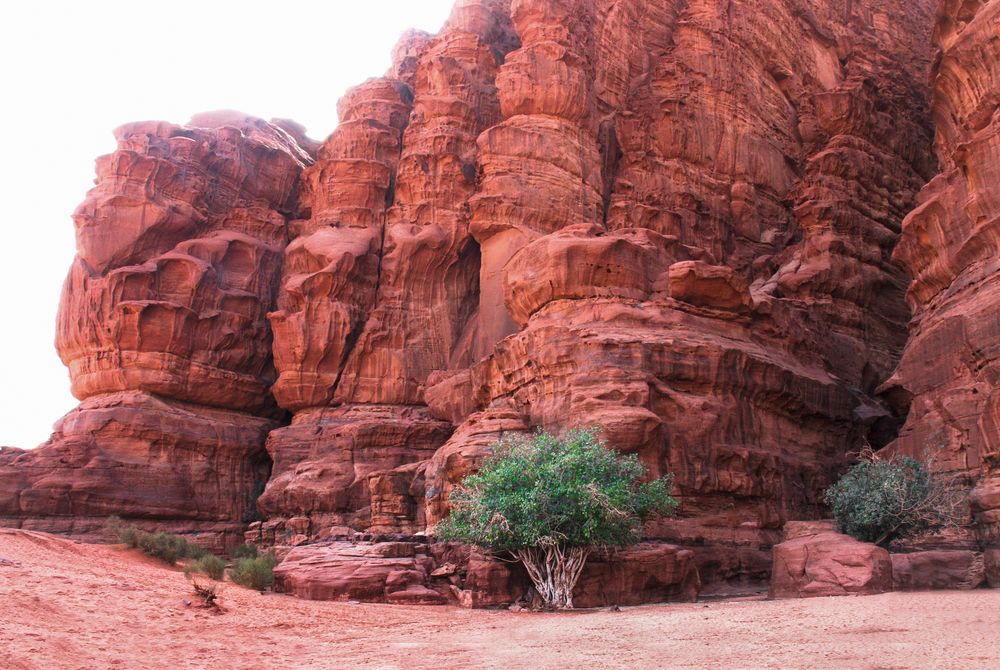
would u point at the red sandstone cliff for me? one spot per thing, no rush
(683, 236)
(163, 327)
(949, 375)
(676, 220)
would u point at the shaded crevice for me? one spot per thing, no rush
(611, 155)
(465, 323)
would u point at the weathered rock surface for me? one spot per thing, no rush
(991, 560)
(925, 570)
(418, 573)
(817, 561)
(672, 221)
(392, 572)
(648, 572)
(328, 460)
(949, 375)
(184, 467)
(163, 326)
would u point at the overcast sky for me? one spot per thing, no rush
(72, 71)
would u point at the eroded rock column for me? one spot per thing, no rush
(381, 288)
(163, 327)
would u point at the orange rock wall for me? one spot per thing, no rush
(683, 236)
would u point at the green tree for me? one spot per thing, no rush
(549, 501)
(881, 499)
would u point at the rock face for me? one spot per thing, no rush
(163, 327)
(681, 221)
(924, 570)
(949, 374)
(393, 572)
(814, 560)
(672, 221)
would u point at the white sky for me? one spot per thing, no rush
(72, 71)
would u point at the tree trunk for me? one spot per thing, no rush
(554, 570)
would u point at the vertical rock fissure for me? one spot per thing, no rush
(359, 327)
(607, 145)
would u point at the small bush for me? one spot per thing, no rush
(208, 595)
(196, 552)
(113, 526)
(209, 565)
(129, 535)
(168, 548)
(244, 551)
(883, 499)
(164, 546)
(254, 573)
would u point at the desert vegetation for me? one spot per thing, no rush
(549, 501)
(164, 546)
(881, 499)
(209, 565)
(251, 568)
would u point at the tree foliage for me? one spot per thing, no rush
(548, 500)
(545, 490)
(882, 499)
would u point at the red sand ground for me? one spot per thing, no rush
(68, 605)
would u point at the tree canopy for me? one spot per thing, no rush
(544, 490)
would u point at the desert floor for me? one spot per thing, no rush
(68, 605)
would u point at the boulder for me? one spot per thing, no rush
(827, 563)
(379, 572)
(646, 573)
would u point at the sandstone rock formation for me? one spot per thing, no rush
(949, 374)
(681, 221)
(163, 327)
(925, 570)
(418, 573)
(814, 560)
(682, 236)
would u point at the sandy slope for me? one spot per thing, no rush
(67, 605)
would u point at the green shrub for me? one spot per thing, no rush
(164, 546)
(549, 501)
(882, 499)
(168, 548)
(254, 573)
(209, 565)
(113, 526)
(129, 535)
